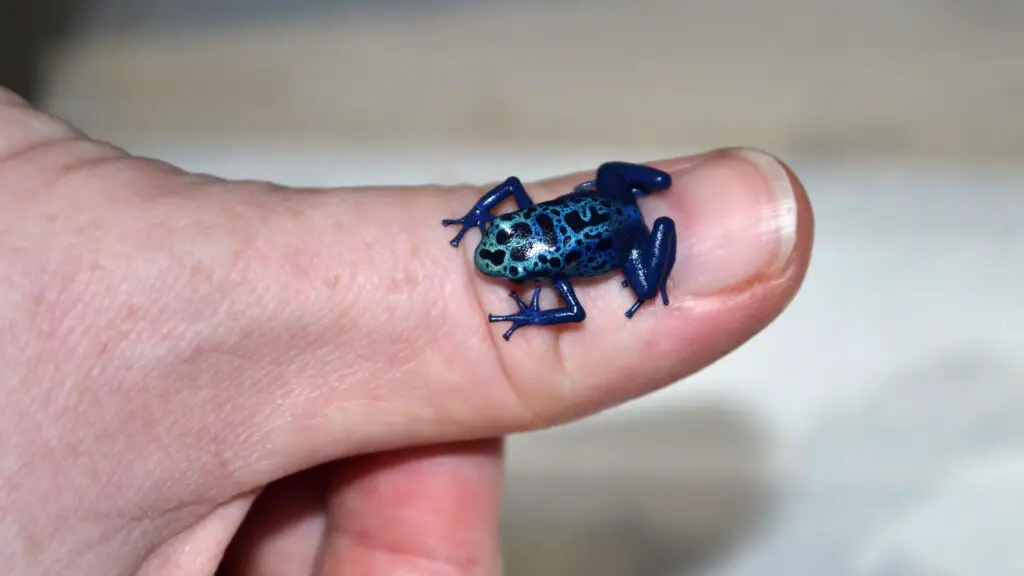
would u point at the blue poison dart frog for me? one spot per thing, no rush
(594, 230)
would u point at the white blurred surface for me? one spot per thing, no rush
(891, 392)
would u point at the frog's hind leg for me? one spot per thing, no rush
(532, 315)
(625, 182)
(650, 263)
(670, 256)
(480, 215)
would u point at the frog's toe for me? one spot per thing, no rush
(534, 304)
(519, 317)
(453, 222)
(466, 224)
(524, 317)
(636, 306)
(519, 301)
(508, 333)
(458, 239)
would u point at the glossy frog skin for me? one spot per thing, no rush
(594, 230)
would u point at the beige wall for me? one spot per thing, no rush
(878, 77)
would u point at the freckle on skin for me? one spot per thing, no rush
(93, 224)
(51, 218)
(332, 282)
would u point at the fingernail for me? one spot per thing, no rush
(736, 217)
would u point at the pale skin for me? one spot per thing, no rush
(197, 371)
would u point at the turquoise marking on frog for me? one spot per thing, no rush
(594, 230)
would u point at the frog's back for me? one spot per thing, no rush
(577, 235)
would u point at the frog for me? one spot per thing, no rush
(594, 230)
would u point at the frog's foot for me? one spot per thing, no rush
(475, 217)
(532, 315)
(650, 264)
(480, 215)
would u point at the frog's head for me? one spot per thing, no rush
(492, 256)
(494, 252)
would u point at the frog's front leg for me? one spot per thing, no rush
(650, 263)
(532, 315)
(480, 214)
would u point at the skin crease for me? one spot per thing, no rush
(298, 381)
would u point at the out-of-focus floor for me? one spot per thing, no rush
(874, 429)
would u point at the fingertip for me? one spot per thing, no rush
(745, 231)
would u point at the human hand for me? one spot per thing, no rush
(307, 378)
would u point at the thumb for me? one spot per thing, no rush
(363, 329)
(246, 331)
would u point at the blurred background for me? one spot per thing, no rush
(875, 429)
